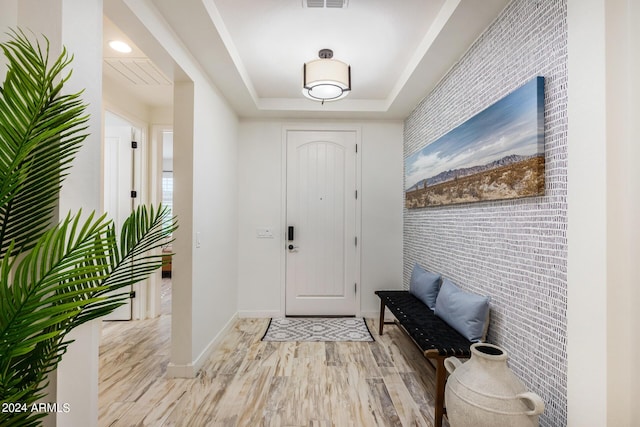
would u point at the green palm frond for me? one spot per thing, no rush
(53, 278)
(36, 314)
(41, 129)
(61, 283)
(143, 233)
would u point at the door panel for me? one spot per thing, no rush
(321, 206)
(118, 183)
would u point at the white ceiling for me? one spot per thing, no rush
(274, 38)
(133, 72)
(253, 50)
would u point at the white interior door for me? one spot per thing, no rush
(118, 184)
(321, 207)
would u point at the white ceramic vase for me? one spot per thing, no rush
(484, 392)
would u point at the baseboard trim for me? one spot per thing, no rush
(180, 371)
(259, 314)
(190, 370)
(370, 314)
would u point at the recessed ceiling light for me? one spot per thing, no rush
(120, 46)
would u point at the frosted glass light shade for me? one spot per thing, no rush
(326, 79)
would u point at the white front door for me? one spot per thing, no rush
(321, 242)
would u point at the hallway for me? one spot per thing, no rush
(248, 382)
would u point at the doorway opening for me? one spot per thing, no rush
(138, 99)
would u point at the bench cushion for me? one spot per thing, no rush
(466, 312)
(425, 285)
(427, 330)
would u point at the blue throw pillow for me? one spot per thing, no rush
(465, 312)
(424, 285)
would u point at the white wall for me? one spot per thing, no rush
(587, 290)
(632, 233)
(82, 35)
(124, 103)
(204, 276)
(8, 20)
(182, 268)
(260, 181)
(623, 209)
(215, 211)
(259, 205)
(604, 205)
(382, 205)
(162, 115)
(620, 194)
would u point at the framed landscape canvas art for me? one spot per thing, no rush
(496, 154)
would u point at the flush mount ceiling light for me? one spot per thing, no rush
(120, 46)
(326, 79)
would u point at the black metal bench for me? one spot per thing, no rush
(433, 336)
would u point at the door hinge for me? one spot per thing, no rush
(134, 194)
(132, 294)
(356, 194)
(356, 238)
(356, 148)
(134, 144)
(355, 288)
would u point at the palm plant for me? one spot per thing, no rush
(53, 277)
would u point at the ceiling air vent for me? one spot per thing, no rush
(325, 3)
(336, 3)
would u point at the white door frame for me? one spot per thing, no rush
(155, 198)
(321, 127)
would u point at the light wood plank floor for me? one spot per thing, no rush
(247, 382)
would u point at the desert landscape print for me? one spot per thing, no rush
(496, 154)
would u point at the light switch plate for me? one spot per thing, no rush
(264, 233)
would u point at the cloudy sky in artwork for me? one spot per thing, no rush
(513, 125)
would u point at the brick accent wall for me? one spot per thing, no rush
(513, 250)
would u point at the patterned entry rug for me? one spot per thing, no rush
(317, 329)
